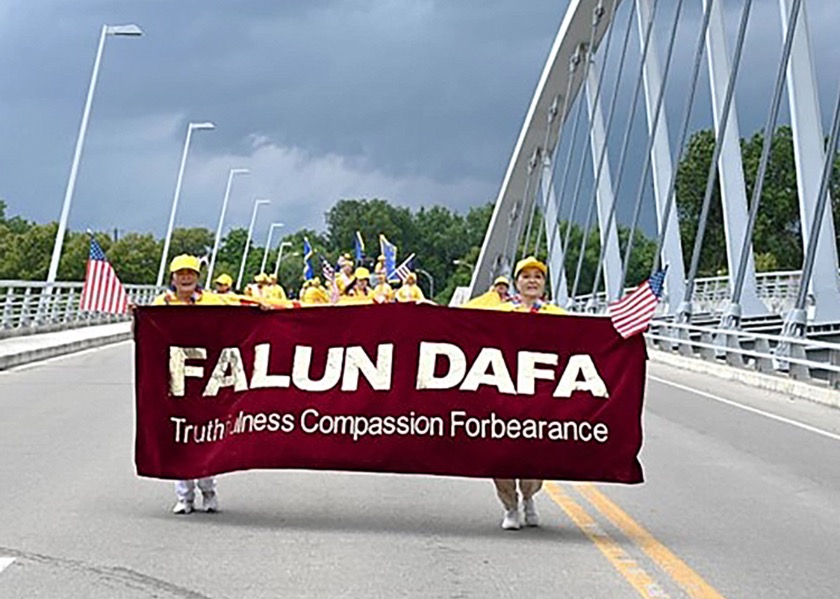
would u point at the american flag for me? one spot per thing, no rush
(329, 277)
(403, 269)
(632, 313)
(102, 291)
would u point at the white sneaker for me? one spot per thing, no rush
(183, 507)
(210, 502)
(530, 509)
(511, 520)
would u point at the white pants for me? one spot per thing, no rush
(185, 489)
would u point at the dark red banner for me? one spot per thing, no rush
(387, 388)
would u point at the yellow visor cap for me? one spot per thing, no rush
(185, 261)
(530, 262)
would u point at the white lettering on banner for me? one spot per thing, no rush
(429, 353)
(178, 369)
(527, 371)
(581, 364)
(498, 377)
(345, 366)
(260, 378)
(378, 375)
(303, 362)
(229, 359)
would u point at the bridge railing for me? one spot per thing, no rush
(35, 306)
(804, 359)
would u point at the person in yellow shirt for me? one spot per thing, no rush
(409, 291)
(185, 270)
(529, 276)
(383, 293)
(361, 288)
(224, 284)
(275, 290)
(313, 293)
(259, 288)
(344, 276)
(498, 294)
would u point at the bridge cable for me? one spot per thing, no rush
(648, 151)
(569, 155)
(764, 161)
(513, 215)
(625, 146)
(551, 114)
(819, 212)
(713, 166)
(608, 129)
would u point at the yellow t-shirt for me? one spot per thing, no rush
(383, 292)
(409, 293)
(485, 301)
(543, 308)
(201, 298)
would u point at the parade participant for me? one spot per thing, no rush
(383, 293)
(529, 277)
(314, 293)
(185, 270)
(497, 295)
(223, 284)
(275, 290)
(345, 275)
(409, 291)
(259, 288)
(362, 286)
(380, 265)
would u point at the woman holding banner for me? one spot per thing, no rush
(529, 279)
(185, 271)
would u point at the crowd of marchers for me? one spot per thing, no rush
(352, 284)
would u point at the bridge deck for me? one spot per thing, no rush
(748, 502)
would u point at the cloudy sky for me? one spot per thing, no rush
(416, 101)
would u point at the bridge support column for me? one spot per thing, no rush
(662, 168)
(809, 152)
(551, 214)
(730, 167)
(605, 194)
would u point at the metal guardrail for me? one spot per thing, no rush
(803, 359)
(34, 306)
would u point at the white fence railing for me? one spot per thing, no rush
(804, 359)
(30, 306)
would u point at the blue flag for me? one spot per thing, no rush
(389, 250)
(360, 248)
(308, 271)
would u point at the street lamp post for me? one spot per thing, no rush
(190, 128)
(268, 244)
(257, 204)
(116, 30)
(431, 280)
(217, 241)
(283, 244)
(463, 263)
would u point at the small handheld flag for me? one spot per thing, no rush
(403, 269)
(389, 251)
(632, 314)
(329, 277)
(308, 271)
(102, 290)
(360, 248)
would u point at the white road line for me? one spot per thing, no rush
(72, 354)
(5, 562)
(735, 404)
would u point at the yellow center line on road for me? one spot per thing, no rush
(691, 582)
(620, 560)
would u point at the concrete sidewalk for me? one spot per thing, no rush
(15, 351)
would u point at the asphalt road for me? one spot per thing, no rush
(737, 504)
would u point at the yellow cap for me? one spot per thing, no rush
(503, 280)
(261, 278)
(530, 262)
(362, 273)
(224, 279)
(185, 262)
(316, 281)
(410, 277)
(272, 278)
